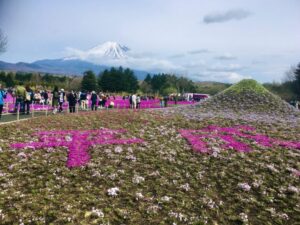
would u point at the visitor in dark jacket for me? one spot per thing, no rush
(94, 98)
(72, 99)
(28, 99)
(55, 97)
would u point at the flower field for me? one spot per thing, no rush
(165, 166)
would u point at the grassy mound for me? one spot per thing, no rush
(245, 86)
(248, 96)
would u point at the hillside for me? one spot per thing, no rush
(250, 96)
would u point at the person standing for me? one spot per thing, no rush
(166, 98)
(83, 100)
(28, 99)
(130, 101)
(133, 97)
(72, 99)
(138, 101)
(161, 101)
(61, 99)
(94, 99)
(20, 98)
(55, 97)
(45, 95)
(2, 97)
(104, 100)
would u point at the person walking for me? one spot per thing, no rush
(94, 98)
(2, 97)
(72, 99)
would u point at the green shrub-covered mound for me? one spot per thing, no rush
(248, 95)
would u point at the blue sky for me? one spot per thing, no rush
(201, 39)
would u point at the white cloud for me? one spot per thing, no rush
(220, 17)
(226, 68)
(232, 77)
(134, 61)
(199, 51)
(226, 56)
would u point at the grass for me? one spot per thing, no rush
(247, 85)
(180, 186)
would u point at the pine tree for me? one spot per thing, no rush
(297, 81)
(89, 82)
(148, 79)
(10, 82)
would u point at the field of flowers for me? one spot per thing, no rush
(156, 178)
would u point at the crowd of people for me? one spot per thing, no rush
(24, 97)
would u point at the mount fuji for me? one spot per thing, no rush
(98, 58)
(106, 51)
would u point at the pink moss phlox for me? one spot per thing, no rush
(229, 135)
(78, 142)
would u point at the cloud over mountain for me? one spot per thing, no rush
(220, 17)
(113, 54)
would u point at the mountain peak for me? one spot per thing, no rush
(109, 49)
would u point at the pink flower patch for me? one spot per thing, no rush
(199, 138)
(77, 141)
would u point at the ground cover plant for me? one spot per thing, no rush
(161, 180)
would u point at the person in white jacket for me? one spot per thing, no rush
(133, 101)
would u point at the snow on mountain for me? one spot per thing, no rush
(106, 51)
(113, 54)
(110, 49)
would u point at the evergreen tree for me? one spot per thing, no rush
(130, 81)
(148, 79)
(89, 82)
(297, 80)
(10, 80)
(2, 77)
(118, 80)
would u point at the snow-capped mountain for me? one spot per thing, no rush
(97, 59)
(110, 49)
(106, 51)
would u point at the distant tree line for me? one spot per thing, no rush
(110, 80)
(289, 89)
(10, 79)
(165, 84)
